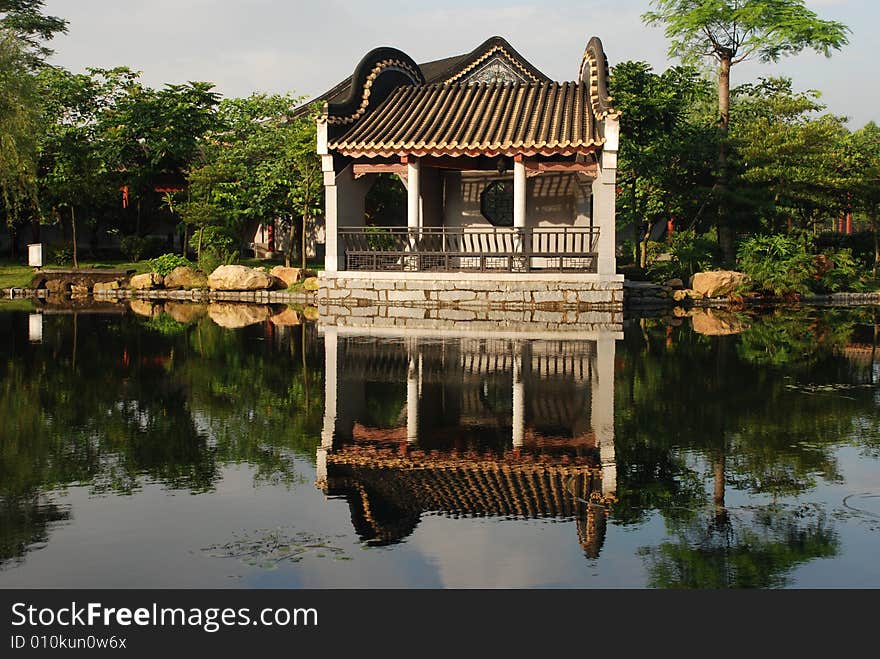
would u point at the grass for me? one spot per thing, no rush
(15, 275)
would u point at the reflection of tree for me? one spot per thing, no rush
(730, 410)
(25, 523)
(742, 553)
(181, 405)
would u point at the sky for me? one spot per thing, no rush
(246, 46)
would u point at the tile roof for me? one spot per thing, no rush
(546, 118)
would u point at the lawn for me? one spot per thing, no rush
(15, 275)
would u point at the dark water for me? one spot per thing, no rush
(170, 451)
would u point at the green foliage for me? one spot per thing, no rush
(739, 29)
(778, 264)
(788, 264)
(689, 253)
(60, 254)
(165, 263)
(136, 248)
(166, 325)
(25, 20)
(260, 166)
(19, 127)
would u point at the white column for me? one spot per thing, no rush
(330, 372)
(413, 194)
(519, 194)
(413, 377)
(603, 409)
(519, 398)
(604, 204)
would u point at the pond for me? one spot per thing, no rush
(162, 449)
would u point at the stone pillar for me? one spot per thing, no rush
(330, 389)
(603, 409)
(604, 205)
(519, 398)
(413, 193)
(519, 193)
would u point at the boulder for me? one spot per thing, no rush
(79, 290)
(686, 293)
(185, 313)
(675, 283)
(712, 322)
(104, 286)
(240, 278)
(185, 277)
(286, 318)
(310, 283)
(290, 276)
(716, 283)
(146, 281)
(145, 308)
(238, 315)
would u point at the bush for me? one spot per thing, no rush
(778, 264)
(167, 262)
(688, 253)
(218, 248)
(135, 248)
(60, 254)
(786, 265)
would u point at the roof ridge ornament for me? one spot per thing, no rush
(374, 64)
(594, 73)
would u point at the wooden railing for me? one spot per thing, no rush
(482, 249)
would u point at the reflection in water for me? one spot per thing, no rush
(470, 426)
(672, 457)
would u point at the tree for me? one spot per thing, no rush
(25, 20)
(731, 31)
(71, 167)
(662, 161)
(790, 162)
(865, 145)
(259, 166)
(19, 127)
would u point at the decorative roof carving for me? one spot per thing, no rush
(594, 73)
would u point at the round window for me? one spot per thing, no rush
(496, 203)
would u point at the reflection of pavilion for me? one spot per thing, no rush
(470, 426)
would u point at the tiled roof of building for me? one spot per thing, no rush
(449, 69)
(546, 118)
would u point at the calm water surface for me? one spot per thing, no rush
(171, 451)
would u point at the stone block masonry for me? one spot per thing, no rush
(470, 291)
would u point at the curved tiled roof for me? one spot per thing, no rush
(547, 118)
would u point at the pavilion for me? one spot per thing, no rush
(510, 181)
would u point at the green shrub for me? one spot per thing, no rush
(688, 253)
(61, 254)
(167, 262)
(845, 273)
(135, 248)
(778, 264)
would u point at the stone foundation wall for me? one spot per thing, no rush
(471, 292)
(386, 316)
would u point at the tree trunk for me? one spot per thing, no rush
(73, 236)
(876, 244)
(291, 239)
(725, 231)
(199, 248)
(637, 237)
